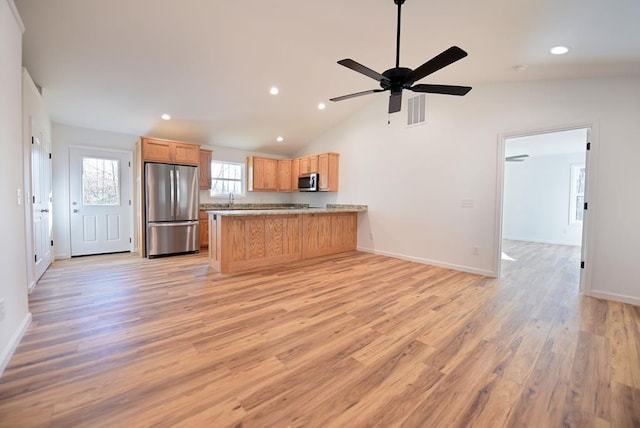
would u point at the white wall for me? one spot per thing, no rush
(536, 200)
(14, 311)
(414, 179)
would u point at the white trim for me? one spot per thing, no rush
(460, 268)
(614, 296)
(7, 352)
(18, 19)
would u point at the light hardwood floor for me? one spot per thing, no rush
(348, 340)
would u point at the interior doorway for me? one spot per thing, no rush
(543, 198)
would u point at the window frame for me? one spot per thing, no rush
(242, 180)
(574, 194)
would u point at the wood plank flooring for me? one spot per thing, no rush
(341, 341)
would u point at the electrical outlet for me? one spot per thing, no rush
(475, 250)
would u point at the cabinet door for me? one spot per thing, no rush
(265, 174)
(186, 154)
(204, 229)
(295, 172)
(328, 171)
(284, 175)
(156, 150)
(309, 164)
(204, 168)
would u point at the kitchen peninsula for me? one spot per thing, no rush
(241, 240)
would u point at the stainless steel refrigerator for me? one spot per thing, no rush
(172, 208)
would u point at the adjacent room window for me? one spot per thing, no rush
(576, 205)
(227, 177)
(100, 181)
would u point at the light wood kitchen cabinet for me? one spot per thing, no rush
(204, 229)
(262, 174)
(204, 168)
(295, 172)
(328, 172)
(176, 152)
(309, 164)
(284, 175)
(328, 233)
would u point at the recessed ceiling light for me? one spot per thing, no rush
(274, 90)
(280, 139)
(321, 106)
(165, 117)
(559, 50)
(520, 67)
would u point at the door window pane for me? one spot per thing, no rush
(100, 181)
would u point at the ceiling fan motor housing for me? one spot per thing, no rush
(397, 79)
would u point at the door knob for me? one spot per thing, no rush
(75, 210)
(44, 211)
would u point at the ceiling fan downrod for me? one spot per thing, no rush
(399, 3)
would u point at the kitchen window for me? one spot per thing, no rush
(227, 177)
(576, 203)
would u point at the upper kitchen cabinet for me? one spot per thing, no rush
(284, 175)
(295, 172)
(328, 172)
(204, 168)
(309, 164)
(176, 152)
(262, 174)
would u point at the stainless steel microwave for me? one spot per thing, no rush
(308, 182)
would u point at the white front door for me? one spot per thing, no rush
(100, 195)
(41, 203)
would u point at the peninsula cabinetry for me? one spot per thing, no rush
(238, 242)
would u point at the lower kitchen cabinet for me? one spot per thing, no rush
(328, 233)
(204, 229)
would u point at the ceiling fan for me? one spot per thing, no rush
(398, 78)
(516, 158)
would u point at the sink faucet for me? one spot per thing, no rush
(230, 199)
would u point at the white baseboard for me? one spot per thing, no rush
(461, 268)
(615, 297)
(7, 352)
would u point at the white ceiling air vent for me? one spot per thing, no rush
(416, 110)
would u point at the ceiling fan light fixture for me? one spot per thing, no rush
(559, 50)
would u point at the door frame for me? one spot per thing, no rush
(591, 179)
(129, 156)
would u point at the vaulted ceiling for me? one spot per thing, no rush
(118, 65)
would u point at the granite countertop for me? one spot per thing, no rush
(286, 210)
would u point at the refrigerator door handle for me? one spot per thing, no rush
(174, 224)
(173, 196)
(178, 211)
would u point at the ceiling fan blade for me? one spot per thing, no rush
(395, 102)
(441, 89)
(445, 58)
(355, 66)
(357, 94)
